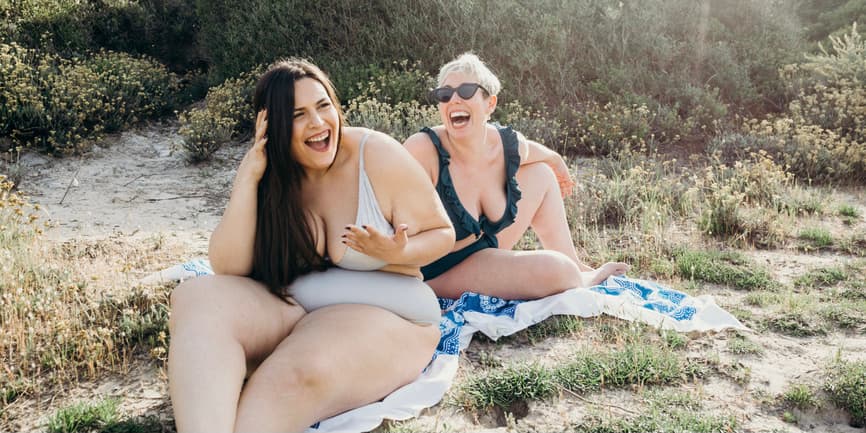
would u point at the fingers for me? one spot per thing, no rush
(401, 236)
(368, 238)
(566, 185)
(261, 129)
(357, 237)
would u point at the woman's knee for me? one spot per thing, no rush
(187, 299)
(556, 271)
(536, 175)
(311, 375)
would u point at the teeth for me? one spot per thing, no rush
(319, 137)
(459, 114)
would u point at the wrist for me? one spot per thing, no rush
(245, 183)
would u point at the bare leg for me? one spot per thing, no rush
(337, 358)
(509, 274)
(541, 207)
(218, 325)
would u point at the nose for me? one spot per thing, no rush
(316, 119)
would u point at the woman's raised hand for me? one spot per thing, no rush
(253, 165)
(368, 240)
(563, 177)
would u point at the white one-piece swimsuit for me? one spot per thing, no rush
(357, 278)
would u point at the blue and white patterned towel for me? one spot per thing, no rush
(625, 298)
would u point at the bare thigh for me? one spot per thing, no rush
(509, 274)
(238, 307)
(338, 357)
(536, 181)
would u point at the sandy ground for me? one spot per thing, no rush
(140, 185)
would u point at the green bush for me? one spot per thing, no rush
(821, 137)
(826, 17)
(846, 386)
(634, 191)
(537, 125)
(61, 104)
(228, 112)
(742, 202)
(566, 52)
(163, 29)
(401, 82)
(399, 120)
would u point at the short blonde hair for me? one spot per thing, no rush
(469, 63)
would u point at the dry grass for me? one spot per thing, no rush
(73, 317)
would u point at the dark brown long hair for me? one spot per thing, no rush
(285, 245)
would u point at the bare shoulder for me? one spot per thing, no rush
(384, 153)
(522, 145)
(422, 148)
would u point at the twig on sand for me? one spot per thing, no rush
(137, 178)
(178, 197)
(573, 394)
(71, 181)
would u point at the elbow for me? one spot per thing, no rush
(226, 266)
(449, 238)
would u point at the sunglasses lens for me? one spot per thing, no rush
(443, 94)
(467, 90)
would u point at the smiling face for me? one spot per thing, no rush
(464, 117)
(316, 126)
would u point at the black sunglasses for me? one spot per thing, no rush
(465, 90)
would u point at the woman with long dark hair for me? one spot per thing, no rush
(317, 298)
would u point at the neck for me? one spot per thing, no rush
(470, 147)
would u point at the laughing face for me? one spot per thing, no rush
(316, 126)
(464, 117)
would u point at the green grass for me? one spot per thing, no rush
(846, 314)
(84, 417)
(800, 396)
(816, 238)
(556, 326)
(762, 298)
(638, 364)
(796, 324)
(671, 398)
(661, 421)
(822, 277)
(846, 387)
(103, 417)
(740, 345)
(503, 387)
(146, 424)
(588, 371)
(848, 212)
(725, 267)
(855, 244)
(673, 339)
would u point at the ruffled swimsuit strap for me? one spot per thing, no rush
(511, 152)
(464, 223)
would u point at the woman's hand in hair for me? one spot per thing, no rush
(253, 165)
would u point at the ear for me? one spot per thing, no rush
(491, 104)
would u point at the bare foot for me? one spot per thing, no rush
(597, 276)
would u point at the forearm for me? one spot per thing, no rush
(541, 153)
(231, 244)
(425, 247)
